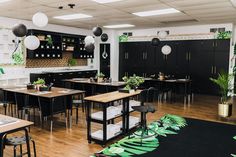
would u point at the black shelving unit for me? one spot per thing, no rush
(61, 43)
(101, 136)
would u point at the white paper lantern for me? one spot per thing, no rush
(162, 34)
(40, 19)
(31, 42)
(89, 40)
(166, 49)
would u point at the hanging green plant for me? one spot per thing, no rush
(224, 35)
(72, 62)
(123, 38)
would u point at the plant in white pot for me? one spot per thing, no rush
(132, 83)
(100, 76)
(40, 82)
(224, 81)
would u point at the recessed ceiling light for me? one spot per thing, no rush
(72, 16)
(2, 1)
(106, 1)
(119, 26)
(233, 2)
(156, 12)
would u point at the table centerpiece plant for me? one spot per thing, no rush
(39, 83)
(132, 83)
(224, 82)
(100, 76)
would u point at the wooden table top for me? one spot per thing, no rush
(111, 96)
(55, 92)
(15, 125)
(87, 81)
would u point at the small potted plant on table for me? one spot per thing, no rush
(100, 77)
(224, 81)
(40, 82)
(132, 83)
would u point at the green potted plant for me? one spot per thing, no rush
(72, 62)
(40, 82)
(100, 77)
(224, 82)
(132, 83)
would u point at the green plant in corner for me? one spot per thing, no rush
(72, 62)
(224, 81)
(39, 82)
(133, 82)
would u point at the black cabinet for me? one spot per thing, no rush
(105, 59)
(57, 77)
(197, 60)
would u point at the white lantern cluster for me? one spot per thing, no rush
(31, 42)
(166, 49)
(162, 34)
(40, 19)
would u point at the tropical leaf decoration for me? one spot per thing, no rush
(133, 145)
(234, 155)
(173, 122)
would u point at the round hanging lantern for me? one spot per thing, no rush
(162, 34)
(31, 42)
(89, 47)
(89, 40)
(104, 37)
(19, 30)
(166, 49)
(97, 31)
(40, 19)
(155, 42)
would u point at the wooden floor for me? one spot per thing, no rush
(73, 143)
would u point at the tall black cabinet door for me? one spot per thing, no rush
(182, 56)
(167, 63)
(105, 59)
(201, 65)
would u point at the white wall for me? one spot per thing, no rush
(13, 70)
(195, 29)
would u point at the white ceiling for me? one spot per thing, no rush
(192, 12)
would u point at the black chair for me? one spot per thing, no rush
(147, 96)
(19, 141)
(8, 101)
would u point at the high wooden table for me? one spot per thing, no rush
(51, 95)
(16, 125)
(109, 86)
(105, 100)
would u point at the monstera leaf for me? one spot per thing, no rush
(173, 121)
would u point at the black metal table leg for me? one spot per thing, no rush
(27, 142)
(104, 107)
(88, 115)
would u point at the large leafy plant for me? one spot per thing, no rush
(224, 81)
(133, 82)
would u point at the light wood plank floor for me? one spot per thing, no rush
(73, 143)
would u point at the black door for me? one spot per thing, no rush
(182, 56)
(105, 59)
(201, 65)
